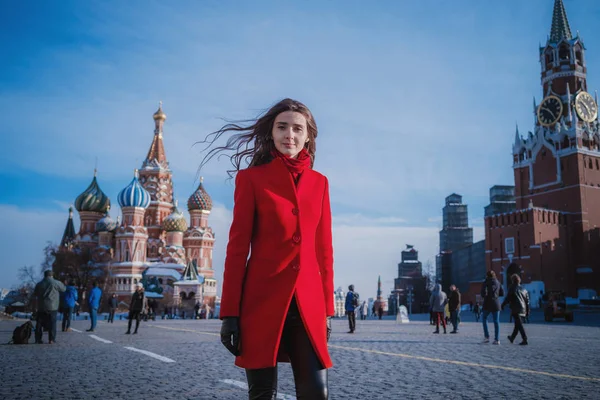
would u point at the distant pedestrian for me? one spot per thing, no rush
(490, 292)
(138, 304)
(70, 297)
(380, 311)
(196, 310)
(113, 303)
(518, 299)
(364, 308)
(477, 311)
(47, 292)
(94, 304)
(351, 306)
(437, 302)
(454, 307)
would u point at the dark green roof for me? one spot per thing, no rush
(560, 24)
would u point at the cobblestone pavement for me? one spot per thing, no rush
(382, 360)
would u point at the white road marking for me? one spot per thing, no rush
(150, 354)
(100, 339)
(243, 385)
(75, 330)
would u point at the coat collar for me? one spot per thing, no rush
(284, 179)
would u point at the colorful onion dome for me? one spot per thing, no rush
(134, 195)
(106, 224)
(200, 200)
(92, 199)
(159, 114)
(175, 222)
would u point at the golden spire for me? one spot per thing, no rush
(159, 114)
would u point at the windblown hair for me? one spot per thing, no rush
(253, 143)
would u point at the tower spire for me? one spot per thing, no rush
(560, 25)
(156, 154)
(69, 233)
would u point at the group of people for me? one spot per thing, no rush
(517, 299)
(53, 295)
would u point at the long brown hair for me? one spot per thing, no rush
(253, 144)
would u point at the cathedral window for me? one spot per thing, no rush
(597, 164)
(563, 53)
(579, 57)
(590, 165)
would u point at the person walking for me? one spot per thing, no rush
(364, 310)
(454, 307)
(113, 303)
(477, 311)
(281, 214)
(47, 292)
(518, 299)
(138, 305)
(490, 292)
(70, 297)
(350, 307)
(94, 304)
(437, 302)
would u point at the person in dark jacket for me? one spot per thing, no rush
(139, 303)
(113, 303)
(454, 307)
(490, 292)
(69, 298)
(350, 306)
(47, 292)
(518, 299)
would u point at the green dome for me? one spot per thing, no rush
(93, 199)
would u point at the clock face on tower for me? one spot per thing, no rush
(586, 107)
(550, 111)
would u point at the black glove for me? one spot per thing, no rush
(230, 334)
(328, 324)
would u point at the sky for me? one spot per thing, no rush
(413, 101)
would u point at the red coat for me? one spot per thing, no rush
(288, 228)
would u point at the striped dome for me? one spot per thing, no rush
(200, 200)
(175, 222)
(134, 195)
(92, 199)
(106, 224)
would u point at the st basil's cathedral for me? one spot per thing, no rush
(152, 242)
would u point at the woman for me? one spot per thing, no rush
(518, 299)
(276, 305)
(437, 303)
(491, 291)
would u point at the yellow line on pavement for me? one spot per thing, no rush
(186, 330)
(468, 364)
(438, 360)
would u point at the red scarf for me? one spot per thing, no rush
(295, 165)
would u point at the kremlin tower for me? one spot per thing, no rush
(152, 242)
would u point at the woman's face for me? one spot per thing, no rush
(290, 133)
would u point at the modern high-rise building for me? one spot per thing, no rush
(502, 200)
(455, 232)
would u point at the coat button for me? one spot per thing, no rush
(295, 211)
(296, 238)
(296, 267)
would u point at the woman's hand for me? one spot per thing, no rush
(230, 334)
(328, 322)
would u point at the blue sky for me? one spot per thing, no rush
(414, 101)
